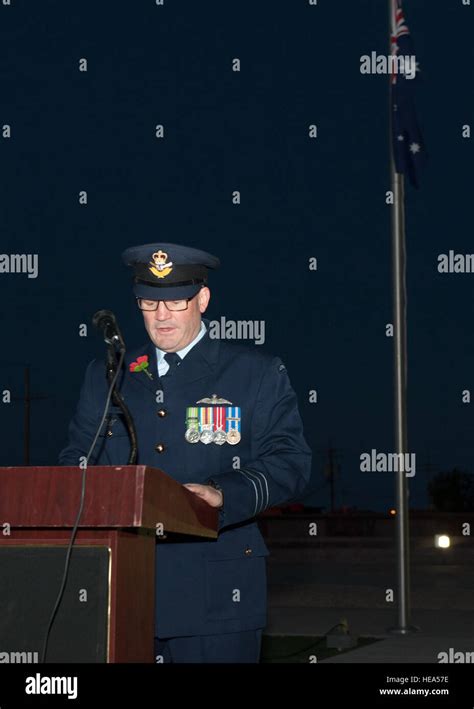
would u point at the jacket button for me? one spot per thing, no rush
(110, 433)
(159, 448)
(161, 413)
(248, 551)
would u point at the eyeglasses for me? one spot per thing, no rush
(172, 305)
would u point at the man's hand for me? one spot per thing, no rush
(213, 497)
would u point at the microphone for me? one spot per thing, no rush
(105, 320)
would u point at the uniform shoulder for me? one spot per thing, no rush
(248, 354)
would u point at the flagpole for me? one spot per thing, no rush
(402, 626)
(400, 404)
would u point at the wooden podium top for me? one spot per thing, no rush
(128, 496)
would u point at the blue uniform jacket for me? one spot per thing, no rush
(211, 586)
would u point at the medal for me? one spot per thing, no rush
(220, 436)
(233, 436)
(206, 424)
(213, 424)
(207, 435)
(233, 425)
(192, 435)
(192, 425)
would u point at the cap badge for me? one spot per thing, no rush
(159, 265)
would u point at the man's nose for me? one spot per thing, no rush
(162, 312)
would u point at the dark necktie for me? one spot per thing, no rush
(174, 360)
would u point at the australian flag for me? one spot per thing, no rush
(408, 147)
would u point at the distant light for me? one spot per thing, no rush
(442, 541)
(392, 512)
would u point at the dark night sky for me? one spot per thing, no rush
(300, 198)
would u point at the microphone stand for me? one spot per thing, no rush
(117, 398)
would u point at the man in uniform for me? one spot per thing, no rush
(227, 427)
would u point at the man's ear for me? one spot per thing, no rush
(204, 297)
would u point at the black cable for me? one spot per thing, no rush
(112, 368)
(79, 514)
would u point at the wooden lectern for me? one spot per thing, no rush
(124, 508)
